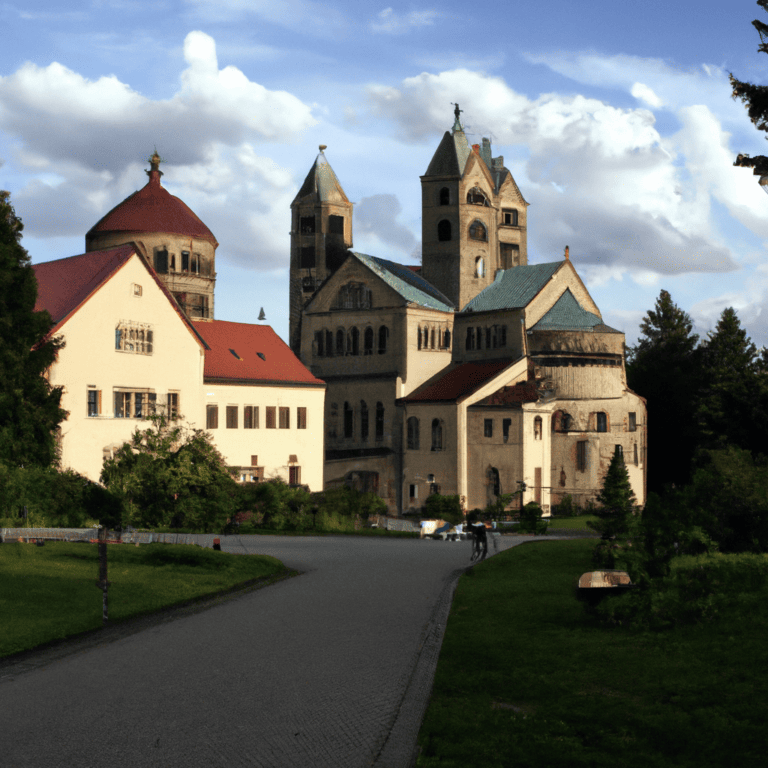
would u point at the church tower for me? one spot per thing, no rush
(321, 235)
(474, 217)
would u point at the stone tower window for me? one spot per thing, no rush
(307, 257)
(413, 433)
(602, 421)
(509, 217)
(476, 196)
(161, 261)
(383, 336)
(368, 341)
(363, 421)
(443, 230)
(477, 231)
(479, 267)
(509, 255)
(445, 196)
(336, 225)
(437, 435)
(307, 225)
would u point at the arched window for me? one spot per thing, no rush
(418, 336)
(353, 341)
(561, 421)
(368, 341)
(445, 196)
(383, 337)
(340, 336)
(161, 260)
(537, 428)
(479, 267)
(447, 340)
(413, 433)
(329, 343)
(476, 196)
(477, 231)
(432, 339)
(494, 482)
(349, 421)
(319, 343)
(363, 421)
(443, 230)
(379, 421)
(437, 435)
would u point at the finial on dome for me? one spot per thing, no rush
(154, 172)
(323, 146)
(566, 253)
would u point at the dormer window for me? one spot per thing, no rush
(476, 196)
(509, 217)
(477, 231)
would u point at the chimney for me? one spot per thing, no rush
(566, 253)
(476, 149)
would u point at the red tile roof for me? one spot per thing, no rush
(63, 285)
(153, 209)
(459, 382)
(278, 364)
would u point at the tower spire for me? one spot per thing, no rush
(457, 126)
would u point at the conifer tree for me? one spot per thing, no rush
(665, 369)
(30, 408)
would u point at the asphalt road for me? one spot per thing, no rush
(330, 668)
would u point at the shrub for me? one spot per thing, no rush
(530, 519)
(566, 507)
(446, 508)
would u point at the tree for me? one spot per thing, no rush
(171, 476)
(731, 402)
(755, 97)
(616, 506)
(30, 409)
(665, 369)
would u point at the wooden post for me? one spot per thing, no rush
(102, 580)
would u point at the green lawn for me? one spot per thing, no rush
(50, 592)
(527, 678)
(571, 522)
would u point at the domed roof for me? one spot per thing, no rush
(153, 209)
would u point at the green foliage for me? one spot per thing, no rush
(566, 507)
(446, 508)
(52, 498)
(497, 509)
(616, 505)
(30, 409)
(530, 519)
(171, 476)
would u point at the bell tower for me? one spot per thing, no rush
(321, 235)
(473, 217)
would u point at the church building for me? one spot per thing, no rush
(471, 374)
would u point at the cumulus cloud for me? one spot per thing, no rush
(377, 215)
(646, 94)
(389, 22)
(599, 178)
(84, 141)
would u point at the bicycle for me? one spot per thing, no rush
(479, 546)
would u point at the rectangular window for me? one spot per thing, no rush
(185, 261)
(602, 421)
(307, 225)
(581, 455)
(294, 475)
(232, 417)
(479, 338)
(172, 405)
(470, 338)
(123, 402)
(307, 257)
(336, 225)
(635, 451)
(285, 418)
(271, 417)
(212, 417)
(301, 418)
(509, 217)
(505, 425)
(251, 417)
(619, 450)
(488, 428)
(632, 425)
(94, 402)
(137, 338)
(413, 491)
(509, 255)
(488, 338)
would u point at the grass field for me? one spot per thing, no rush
(579, 523)
(50, 592)
(527, 678)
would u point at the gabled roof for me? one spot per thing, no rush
(153, 209)
(408, 283)
(245, 353)
(567, 314)
(65, 285)
(451, 155)
(458, 382)
(321, 183)
(513, 288)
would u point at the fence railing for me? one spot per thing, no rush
(86, 534)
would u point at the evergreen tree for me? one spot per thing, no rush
(665, 369)
(730, 405)
(30, 408)
(755, 97)
(616, 506)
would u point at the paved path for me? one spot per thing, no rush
(330, 668)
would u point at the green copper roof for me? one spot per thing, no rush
(321, 182)
(566, 314)
(410, 285)
(513, 288)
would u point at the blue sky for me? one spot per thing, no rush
(615, 119)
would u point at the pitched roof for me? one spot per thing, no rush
(407, 282)
(459, 382)
(321, 183)
(514, 394)
(566, 314)
(451, 155)
(153, 209)
(513, 288)
(64, 285)
(242, 352)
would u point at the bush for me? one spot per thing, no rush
(530, 519)
(566, 507)
(446, 508)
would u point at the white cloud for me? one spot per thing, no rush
(644, 93)
(599, 178)
(389, 22)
